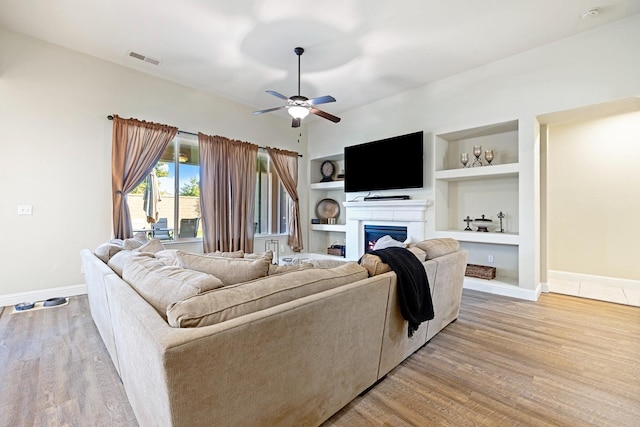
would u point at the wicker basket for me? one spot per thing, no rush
(480, 271)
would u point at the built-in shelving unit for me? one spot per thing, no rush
(321, 236)
(481, 190)
(330, 185)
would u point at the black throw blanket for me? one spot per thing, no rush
(414, 294)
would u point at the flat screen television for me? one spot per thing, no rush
(387, 164)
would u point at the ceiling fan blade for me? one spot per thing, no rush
(321, 100)
(277, 94)
(325, 115)
(295, 123)
(268, 110)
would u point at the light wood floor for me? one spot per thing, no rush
(561, 361)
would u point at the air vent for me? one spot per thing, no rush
(144, 58)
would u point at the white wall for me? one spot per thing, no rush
(594, 197)
(56, 139)
(590, 68)
(56, 142)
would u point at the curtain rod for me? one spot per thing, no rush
(110, 117)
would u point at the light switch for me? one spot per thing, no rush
(25, 209)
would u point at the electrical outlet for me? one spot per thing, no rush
(490, 258)
(25, 209)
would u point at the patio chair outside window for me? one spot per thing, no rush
(161, 230)
(188, 227)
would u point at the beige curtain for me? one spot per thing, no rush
(136, 148)
(227, 193)
(286, 164)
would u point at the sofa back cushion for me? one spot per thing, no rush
(118, 261)
(234, 301)
(234, 254)
(229, 270)
(279, 269)
(162, 285)
(438, 247)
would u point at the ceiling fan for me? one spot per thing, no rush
(299, 106)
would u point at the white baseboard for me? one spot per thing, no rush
(501, 288)
(41, 295)
(598, 280)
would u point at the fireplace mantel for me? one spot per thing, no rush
(410, 213)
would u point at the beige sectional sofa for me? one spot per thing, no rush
(283, 348)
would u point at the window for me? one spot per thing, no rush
(272, 201)
(176, 173)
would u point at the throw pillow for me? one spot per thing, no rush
(375, 266)
(229, 270)
(387, 242)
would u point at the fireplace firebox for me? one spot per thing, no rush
(373, 232)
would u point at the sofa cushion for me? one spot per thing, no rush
(169, 256)
(118, 261)
(375, 266)
(234, 254)
(279, 269)
(107, 250)
(438, 247)
(268, 255)
(136, 241)
(327, 263)
(229, 270)
(230, 302)
(162, 285)
(152, 246)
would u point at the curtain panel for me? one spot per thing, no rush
(136, 148)
(286, 164)
(227, 193)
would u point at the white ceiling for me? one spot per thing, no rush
(358, 51)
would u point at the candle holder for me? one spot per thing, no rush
(468, 220)
(464, 159)
(501, 217)
(477, 151)
(488, 155)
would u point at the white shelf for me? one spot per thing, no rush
(462, 174)
(480, 237)
(340, 228)
(329, 185)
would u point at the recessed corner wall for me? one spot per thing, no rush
(594, 197)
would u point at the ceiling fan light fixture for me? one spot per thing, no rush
(300, 106)
(298, 112)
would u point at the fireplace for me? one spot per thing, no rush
(409, 214)
(373, 232)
